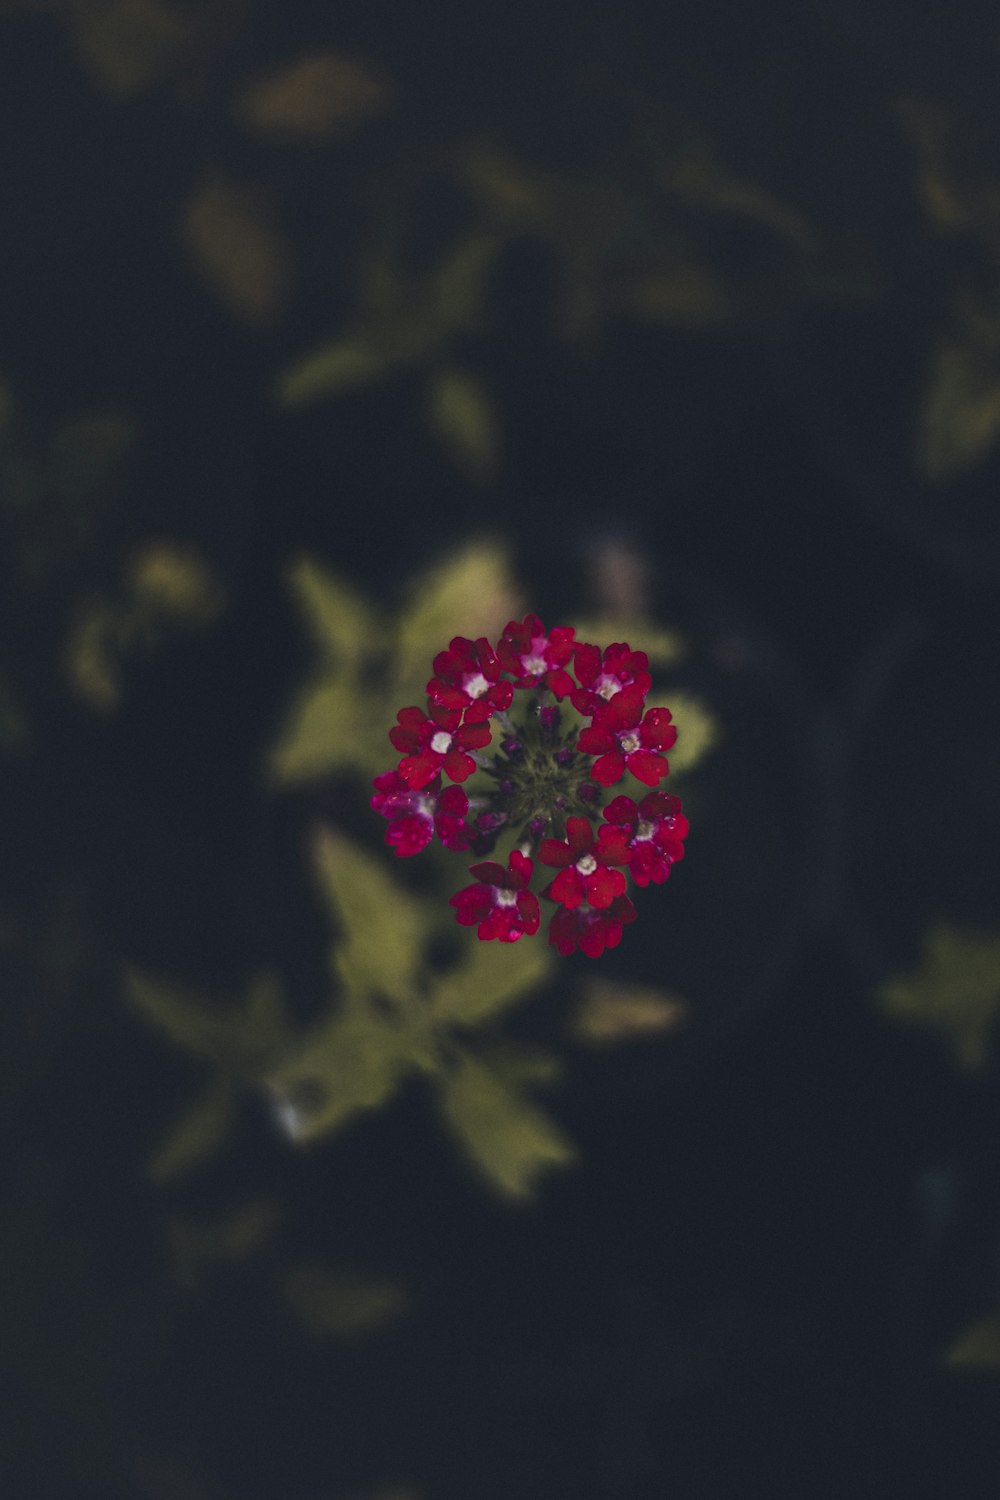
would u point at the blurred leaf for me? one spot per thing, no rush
(463, 415)
(383, 930)
(351, 1064)
(471, 593)
(345, 628)
(663, 647)
(316, 98)
(459, 284)
(980, 1347)
(614, 1012)
(228, 230)
(127, 44)
(960, 418)
(506, 1137)
(183, 1016)
(513, 197)
(343, 365)
(489, 978)
(197, 1133)
(95, 642)
(244, 1037)
(342, 1303)
(232, 1237)
(15, 731)
(956, 989)
(696, 177)
(174, 581)
(697, 730)
(326, 728)
(681, 295)
(520, 1067)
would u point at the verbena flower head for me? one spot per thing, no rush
(537, 729)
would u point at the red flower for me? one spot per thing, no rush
(653, 833)
(603, 675)
(436, 743)
(501, 903)
(590, 930)
(467, 676)
(583, 867)
(622, 742)
(415, 816)
(534, 657)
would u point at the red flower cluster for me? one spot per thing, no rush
(541, 784)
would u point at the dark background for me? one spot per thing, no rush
(783, 1220)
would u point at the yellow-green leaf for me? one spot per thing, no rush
(459, 285)
(341, 1302)
(489, 978)
(697, 730)
(229, 232)
(462, 413)
(506, 1137)
(344, 626)
(471, 593)
(616, 1012)
(956, 989)
(173, 581)
(326, 728)
(184, 1017)
(980, 1347)
(663, 647)
(197, 1133)
(234, 1236)
(351, 1064)
(315, 98)
(344, 365)
(382, 927)
(960, 419)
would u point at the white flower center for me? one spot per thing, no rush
(644, 831)
(475, 684)
(629, 742)
(505, 898)
(441, 742)
(606, 687)
(534, 665)
(587, 865)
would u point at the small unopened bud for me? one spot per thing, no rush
(512, 747)
(536, 827)
(506, 786)
(588, 791)
(565, 756)
(549, 719)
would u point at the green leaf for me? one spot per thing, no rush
(183, 1016)
(345, 365)
(345, 627)
(960, 419)
(663, 647)
(489, 978)
(461, 412)
(956, 989)
(351, 1064)
(326, 729)
(509, 1141)
(341, 1302)
(471, 593)
(697, 730)
(383, 927)
(459, 286)
(980, 1347)
(197, 1133)
(614, 1012)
